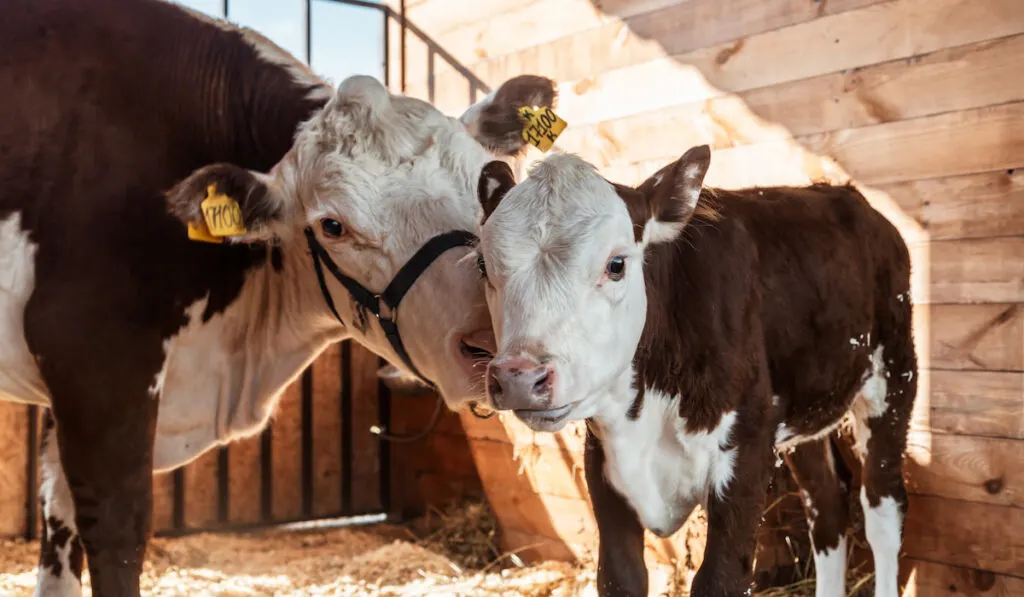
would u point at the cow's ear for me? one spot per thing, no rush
(224, 202)
(496, 179)
(495, 122)
(671, 196)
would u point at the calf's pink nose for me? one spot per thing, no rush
(520, 382)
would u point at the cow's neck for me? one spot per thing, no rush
(223, 375)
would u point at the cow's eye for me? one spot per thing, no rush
(332, 228)
(616, 268)
(480, 264)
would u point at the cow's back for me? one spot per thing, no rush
(828, 267)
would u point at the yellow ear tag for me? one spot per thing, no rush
(201, 233)
(541, 126)
(222, 213)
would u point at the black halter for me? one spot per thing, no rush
(390, 297)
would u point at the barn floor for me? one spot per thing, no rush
(451, 554)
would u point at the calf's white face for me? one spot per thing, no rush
(375, 176)
(563, 256)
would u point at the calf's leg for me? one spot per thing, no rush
(61, 555)
(621, 570)
(813, 468)
(734, 516)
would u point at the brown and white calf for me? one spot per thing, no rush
(149, 348)
(697, 331)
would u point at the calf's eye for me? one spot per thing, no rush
(616, 268)
(332, 228)
(480, 264)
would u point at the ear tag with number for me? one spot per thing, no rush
(541, 126)
(201, 233)
(222, 214)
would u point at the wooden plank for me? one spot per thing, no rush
(971, 206)
(984, 139)
(549, 471)
(961, 78)
(163, 502)
(365, 446)
(928, 579)
(13, 468)
(970, 337)
(987, 270)
(965, 534)
(677, 28)
(975, 469)
(327, 430)
(286, 455)
(981, 403)
(244, 477)
(201, 492)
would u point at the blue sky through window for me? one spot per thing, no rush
(346, 39)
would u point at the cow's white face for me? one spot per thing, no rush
(563, 255)
(375, 177)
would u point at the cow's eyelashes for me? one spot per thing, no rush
(332, 228)
(615, 269)
(481, 265)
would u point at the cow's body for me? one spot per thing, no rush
(150, 348)
(773, 315)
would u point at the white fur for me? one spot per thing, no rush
(662, 469)
(830, 566)
(871, 402)
(19, 374)
(56, 503)
(883, 527)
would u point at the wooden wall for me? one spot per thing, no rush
(432, 471)
(919, 102)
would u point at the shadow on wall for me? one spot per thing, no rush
(876, 92)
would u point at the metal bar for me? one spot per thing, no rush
(309, 31)
(404, 27)
(451, 60)
(307, 441)
(363, 3)
(346, 426)
(178, 503)
(226, 9)
(266, 475)
(472, 93)
(384, 418)
(387, 49)
(32, 481)
(430, 75)
(223, 484)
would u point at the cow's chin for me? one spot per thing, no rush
(551, 420)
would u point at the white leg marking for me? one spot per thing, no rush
(57, 504)
(871, 402)
(831, 571)
(883, 526)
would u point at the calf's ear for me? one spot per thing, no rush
(494, 121)
(496, 179)
(225, 202)
(670, 196)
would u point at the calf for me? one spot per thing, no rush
(697, 331)
(117, 121)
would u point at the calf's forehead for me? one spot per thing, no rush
(564, 212)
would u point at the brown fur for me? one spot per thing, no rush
(500, 123)
(759, 296)
(106, 105)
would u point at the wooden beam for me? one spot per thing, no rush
(989, 270)
(365, 458)
(965, 534)
(974, 469)
(979, 403)
(13, 478)
(286, 455)
(971, 337)
(327, 430)
(928, 579)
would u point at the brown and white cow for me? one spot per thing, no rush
(697, 331)
(150, 348)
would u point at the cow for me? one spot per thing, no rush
(697, 331)
(150, 335)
